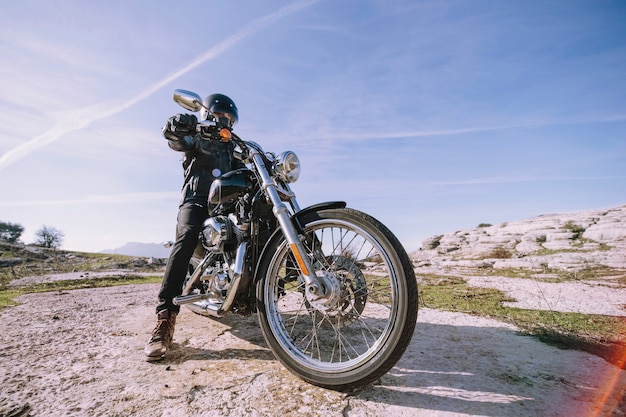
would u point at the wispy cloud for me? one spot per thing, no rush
(459, 131)
(80, 119)
(122, 198)
(512, 180)
(400, 185)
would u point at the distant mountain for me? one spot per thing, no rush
(155, 250)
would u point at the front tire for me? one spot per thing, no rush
(357, 333)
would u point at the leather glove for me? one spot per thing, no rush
(180, 126)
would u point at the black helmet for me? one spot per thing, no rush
(220, 109)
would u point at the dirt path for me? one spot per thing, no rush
(80, 353)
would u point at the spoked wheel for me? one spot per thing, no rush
(362, 326)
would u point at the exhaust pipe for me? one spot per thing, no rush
(191, 298)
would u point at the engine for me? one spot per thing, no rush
(221, 234)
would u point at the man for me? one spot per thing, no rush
(204, 160)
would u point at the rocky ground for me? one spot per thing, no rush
(80, 352)
(574, 242)
(572, 262)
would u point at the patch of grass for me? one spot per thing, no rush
(511, 273)
(453, 294)
(577, 230)
(512, 378)
(500, 253)
(18, 261)
(8, 295)
(496, 253)
(556, 275)
(588, 274)
(600, 335)
(548, 252)
(574, 249)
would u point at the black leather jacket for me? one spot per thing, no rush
(204, 161)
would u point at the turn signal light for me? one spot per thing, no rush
(225, 134)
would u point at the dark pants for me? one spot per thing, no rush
(191, 217)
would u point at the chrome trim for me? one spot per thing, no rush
(287, 166)
(236, 279)
(191, 298)
(284, 219)
(188, 100)
(218, 309)
(197, 273)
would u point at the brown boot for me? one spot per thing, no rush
(162, 336)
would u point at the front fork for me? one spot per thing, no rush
(312, 283)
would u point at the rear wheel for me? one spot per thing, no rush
(357, 332)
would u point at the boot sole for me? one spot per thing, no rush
(154, 358)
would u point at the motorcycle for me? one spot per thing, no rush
(334, 290)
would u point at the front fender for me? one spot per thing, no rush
(300, 219)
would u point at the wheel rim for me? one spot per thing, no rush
(344, 332)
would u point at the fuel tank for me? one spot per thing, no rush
(226, 189)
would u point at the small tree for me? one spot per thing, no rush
(49, 237)
(10, 232)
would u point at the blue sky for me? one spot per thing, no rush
(433, 116)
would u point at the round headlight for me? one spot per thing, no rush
(287, 166)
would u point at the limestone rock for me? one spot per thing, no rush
(594, 238)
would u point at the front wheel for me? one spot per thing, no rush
(356, 333)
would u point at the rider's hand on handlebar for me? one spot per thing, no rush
(179, 126)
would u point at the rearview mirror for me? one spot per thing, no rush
(188, 100)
